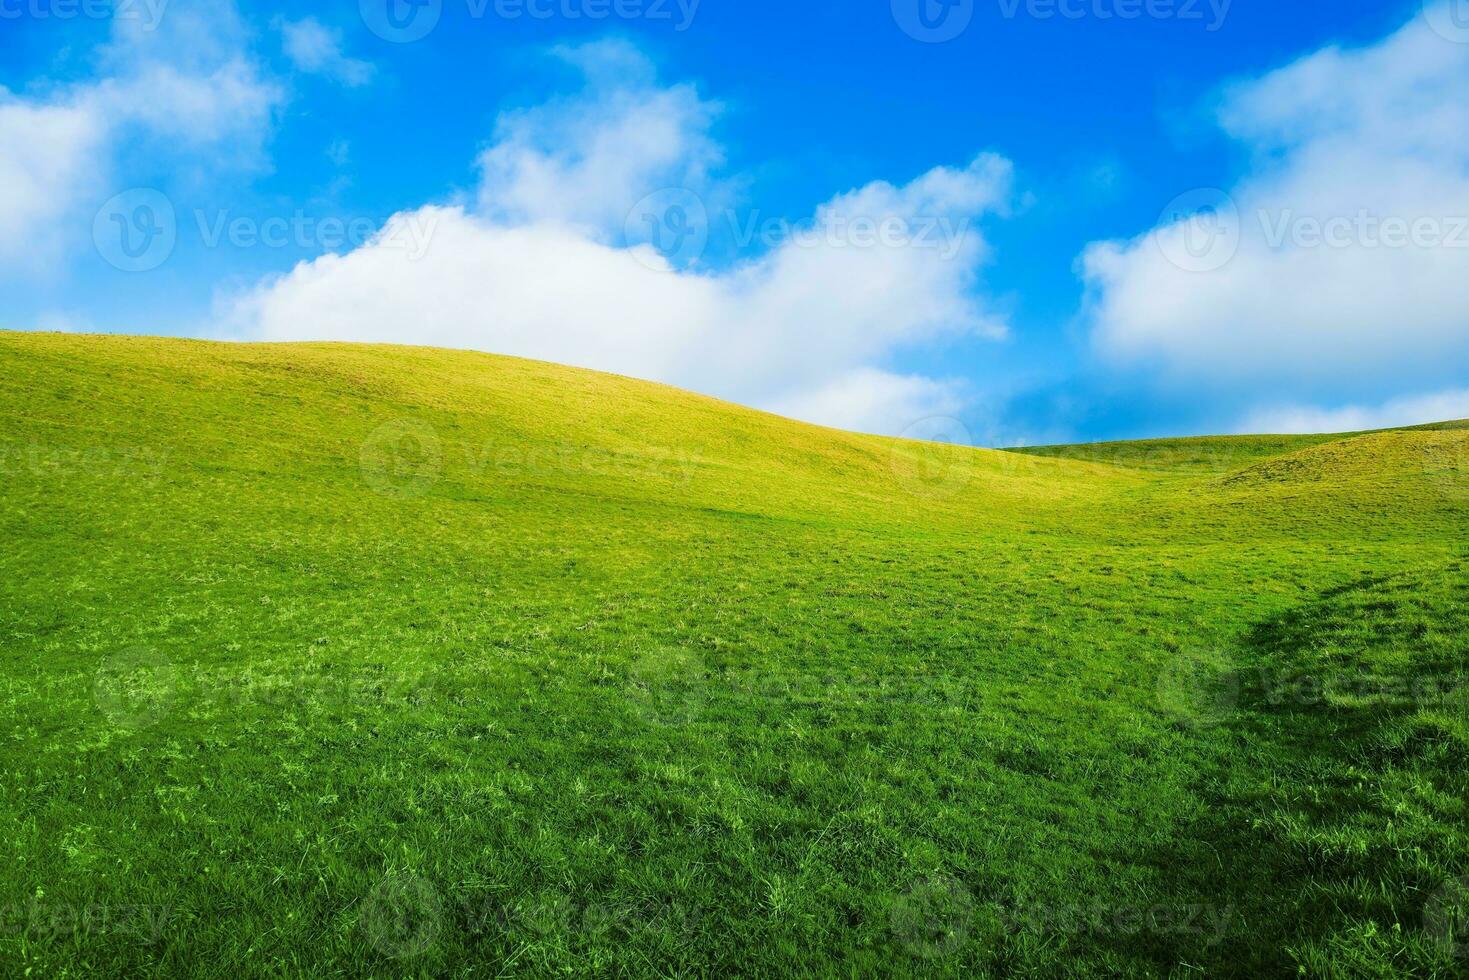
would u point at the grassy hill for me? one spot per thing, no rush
(355, 660)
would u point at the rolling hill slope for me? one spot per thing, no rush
(394, 661)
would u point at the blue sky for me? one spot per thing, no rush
(1037, 170)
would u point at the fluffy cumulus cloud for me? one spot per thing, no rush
(47, 149)
(179, 87)
(1440, 406)
(1343, 254)
(551, 262)
(586, 159)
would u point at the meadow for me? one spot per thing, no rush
(340, 660)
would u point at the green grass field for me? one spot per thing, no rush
(325, 660)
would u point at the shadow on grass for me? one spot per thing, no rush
(1335, 828)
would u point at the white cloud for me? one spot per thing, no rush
(186, 112)
(317, 50)
(1443, 406)
(191, 85)
(1353, 230)
(805, 327)
(870, 400)
(47, 157)
(179, 89)
(588, 159)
